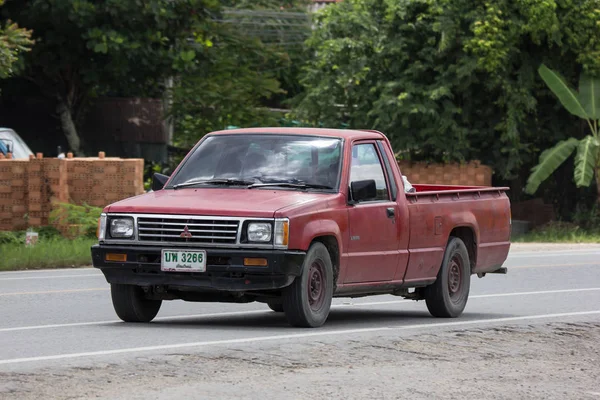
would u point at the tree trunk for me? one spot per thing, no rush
(68, 126)
(167, 102)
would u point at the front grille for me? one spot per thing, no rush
(206, 231)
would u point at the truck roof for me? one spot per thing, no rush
(338, 133)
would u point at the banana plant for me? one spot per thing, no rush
(584, 103)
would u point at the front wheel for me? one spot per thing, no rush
(131, 305)
(307, 301)
(447, 296)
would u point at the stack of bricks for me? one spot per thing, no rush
(13, 193)
(468, 174)
(47, 183)
(28, 188)
(101, 181)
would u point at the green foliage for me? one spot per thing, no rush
(550, 160)
(250, 67)
(562, 232)
(127, 48)
(11, 237)
(225, 88)
(47, 253)
(18, 237)
(83, 216)
(13, 41)
(586, 161)
(587, 218)
(150, 168)
(589, 93)
(559, 86)
(450, 79)
(586, 105)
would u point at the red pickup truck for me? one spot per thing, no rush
(293, 217)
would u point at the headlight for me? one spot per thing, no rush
(259, 232)
(282, 232)
(121, 228)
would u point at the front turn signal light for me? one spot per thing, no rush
(282, 232)
(116, 257)
(255, 262)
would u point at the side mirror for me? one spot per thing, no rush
(363, 190)
(158, 181)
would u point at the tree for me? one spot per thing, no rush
(87, 48)
(252, 65)
(450, 79)
(584, 104)
(13, 41)
(225, 87)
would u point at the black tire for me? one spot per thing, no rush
(448, 295)
(307, 301)
(131, 305)
(277, 307)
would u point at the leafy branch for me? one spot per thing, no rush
(585, 104)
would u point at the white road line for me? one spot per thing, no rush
(47, 270)
(114, 321)
(339, 332)
(250, 312)
(581, 252)
(53, 292)
(481, 296)
(584, 264)
(23, 278)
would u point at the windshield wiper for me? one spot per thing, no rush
(300, 185)
(225, 182)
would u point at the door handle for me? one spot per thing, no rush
(391, 213)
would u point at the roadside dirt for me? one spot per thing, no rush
(553, 361)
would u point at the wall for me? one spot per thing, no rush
(28, 187)
(468, 174)
(534, 211)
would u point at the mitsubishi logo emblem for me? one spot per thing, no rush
(186, 233)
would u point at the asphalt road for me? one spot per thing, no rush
(65, 317)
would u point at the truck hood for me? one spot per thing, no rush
(260, 203)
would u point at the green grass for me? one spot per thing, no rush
(50, 253)
(573, 234)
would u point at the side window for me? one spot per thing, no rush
(388, 168)
(366, 165)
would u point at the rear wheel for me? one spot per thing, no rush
(307, 300)
(448, 295)
(131, 305)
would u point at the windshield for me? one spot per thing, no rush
(268, 159)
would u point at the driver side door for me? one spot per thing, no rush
(374, 231)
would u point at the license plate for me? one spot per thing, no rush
(183, 260)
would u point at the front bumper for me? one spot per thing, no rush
(225, 270)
